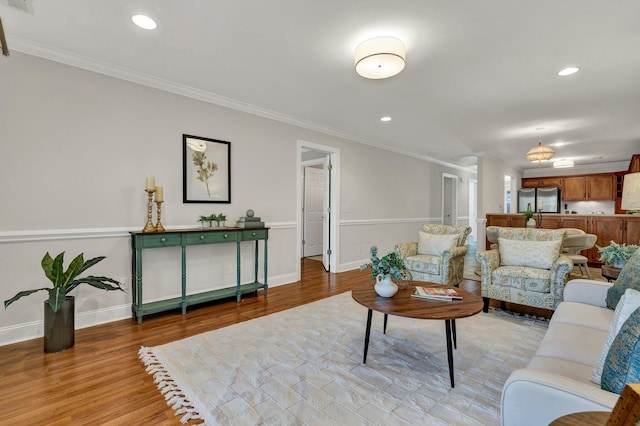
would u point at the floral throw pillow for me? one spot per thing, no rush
(623, 360)
(534, 254)
(629, 278)
(433, 244)
(629, 302)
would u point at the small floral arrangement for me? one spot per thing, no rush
(391, 263)
(616, 253)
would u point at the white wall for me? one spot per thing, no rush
(491, 173)
(76, 147)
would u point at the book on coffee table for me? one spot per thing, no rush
(436, 293)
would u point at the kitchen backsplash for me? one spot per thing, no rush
(589, 207)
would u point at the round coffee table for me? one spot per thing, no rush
(404, 305)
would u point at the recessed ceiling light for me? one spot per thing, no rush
(144, 22)
(568, 71)
(386, 118)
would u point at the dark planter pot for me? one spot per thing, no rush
(59, 327)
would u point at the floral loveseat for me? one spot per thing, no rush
(438, 255)
(527, 268)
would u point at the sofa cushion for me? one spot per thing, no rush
(424, 263)
(523, 278)
(534, 254)
(629, 302)
(573, 343)
(629, 278)
(591, 316)
(562, 367)
(622, 365)
(433, 244)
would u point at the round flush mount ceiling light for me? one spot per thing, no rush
(568, 71)
(144, 22)
(380, 57)
(385, 118)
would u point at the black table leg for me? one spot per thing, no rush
(366, 336)
(447, 326)
(384, 330)
(453, 329)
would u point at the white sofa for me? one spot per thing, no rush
(556, 381)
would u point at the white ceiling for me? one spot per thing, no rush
(480, 76)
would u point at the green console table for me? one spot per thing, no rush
(190, 237)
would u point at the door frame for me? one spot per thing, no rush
(473, 207)
(334, 187)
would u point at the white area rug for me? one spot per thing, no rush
(304, 366)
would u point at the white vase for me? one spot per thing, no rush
(384, 286)
(531, 223)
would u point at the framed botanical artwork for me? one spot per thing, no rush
(206, 166)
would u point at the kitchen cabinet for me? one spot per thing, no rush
(607, 229)
(601, 187)
(621, 229)
(588, 188)
(508, 220)
(549, 222)
(631, 230)
(543, 181)
(578, 222)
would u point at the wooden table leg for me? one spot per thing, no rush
(366, 336)
(447, 326)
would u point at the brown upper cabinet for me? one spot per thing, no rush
(588, 187)
(540, 182)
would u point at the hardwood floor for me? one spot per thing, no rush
(101, 380)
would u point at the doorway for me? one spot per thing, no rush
(318, 198)
(314, 206)
(449, 199)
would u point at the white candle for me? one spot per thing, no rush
(159, 193)
(540, 205)
(151, 183)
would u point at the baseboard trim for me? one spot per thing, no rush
(35, 329)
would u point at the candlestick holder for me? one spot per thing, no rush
(159, 227)
(149, 226)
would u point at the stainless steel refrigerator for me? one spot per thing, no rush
(547, 200)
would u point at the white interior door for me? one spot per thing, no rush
(314, 190)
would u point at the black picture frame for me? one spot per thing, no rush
(206, 170)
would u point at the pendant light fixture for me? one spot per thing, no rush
(540, 153)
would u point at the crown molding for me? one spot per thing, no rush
(52, 53)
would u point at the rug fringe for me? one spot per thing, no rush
(174, 396)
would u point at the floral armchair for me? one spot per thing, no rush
(438, 256)
(527, 268)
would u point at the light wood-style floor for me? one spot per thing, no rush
(101, 380)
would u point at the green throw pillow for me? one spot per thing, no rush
(629, 278)
(622, 365)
